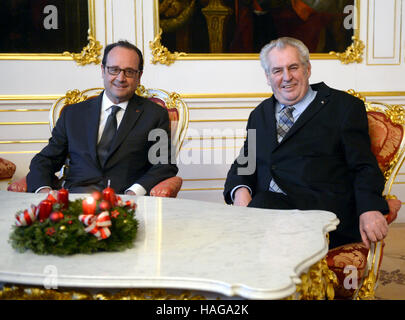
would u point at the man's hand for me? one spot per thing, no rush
(373, 227)
(242, 197)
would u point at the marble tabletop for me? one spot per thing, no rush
(183, 244)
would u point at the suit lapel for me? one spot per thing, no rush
(132, 113)
(270, 123)
(93, 114)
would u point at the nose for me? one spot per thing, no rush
(287, 75)
(121, 76)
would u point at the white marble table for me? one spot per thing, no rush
(184, 244)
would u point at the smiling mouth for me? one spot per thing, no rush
(118, 86)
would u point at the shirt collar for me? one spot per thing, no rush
(107, 103)
(302, 104)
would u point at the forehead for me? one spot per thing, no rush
(123, 58)
(283, 57)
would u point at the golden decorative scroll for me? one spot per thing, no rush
(74, 96)
(160, 53)
(90, 53)
(353, 53)
(38, 293)
(318, 283)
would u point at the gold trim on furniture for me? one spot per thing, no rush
(162, 55)
(396, 113)
(89, 54)
(19, 292)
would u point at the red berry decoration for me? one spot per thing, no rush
(56, 216)
(104, 206)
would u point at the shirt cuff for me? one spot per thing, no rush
(237, 187)
(138, 189)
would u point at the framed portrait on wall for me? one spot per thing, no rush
(47, 29)
(243, 27)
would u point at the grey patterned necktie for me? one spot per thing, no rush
(109, 132)
(285, 121)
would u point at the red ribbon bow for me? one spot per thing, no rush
(97, 224)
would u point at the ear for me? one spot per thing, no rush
(309, 67)
(102, 71)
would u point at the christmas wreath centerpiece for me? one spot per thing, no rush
(100, 222)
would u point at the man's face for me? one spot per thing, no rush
(118, 87)
(288, 76)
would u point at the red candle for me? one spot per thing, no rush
(89, 205)
(63, 198)
(44, 210)
(52, 196)
(109, 195)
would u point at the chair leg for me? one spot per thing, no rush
(366, 290)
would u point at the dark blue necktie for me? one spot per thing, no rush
(109, 132)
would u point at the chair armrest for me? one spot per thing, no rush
(167, 188)
(394, 205)
(18, 186)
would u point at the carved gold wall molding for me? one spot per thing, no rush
(353, 53)
(161, 54)
(90, 53)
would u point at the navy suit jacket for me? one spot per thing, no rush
(323, 163)
(75, 136)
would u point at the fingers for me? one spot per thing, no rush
(373, 227)
(364, 238)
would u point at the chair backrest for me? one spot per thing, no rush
(176, 107)
(387, 134)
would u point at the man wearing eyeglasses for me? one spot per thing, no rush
(106, 138)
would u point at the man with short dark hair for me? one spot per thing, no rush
(106, 138)
(312, 150)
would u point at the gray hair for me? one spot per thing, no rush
(281, 43)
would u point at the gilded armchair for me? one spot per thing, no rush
(178, 115)
(386, 129)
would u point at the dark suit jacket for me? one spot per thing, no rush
(324, 162)
(75, 136)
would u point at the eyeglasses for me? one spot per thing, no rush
(129, 73)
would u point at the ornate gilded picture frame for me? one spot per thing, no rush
(237, 29)
(49, 30)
